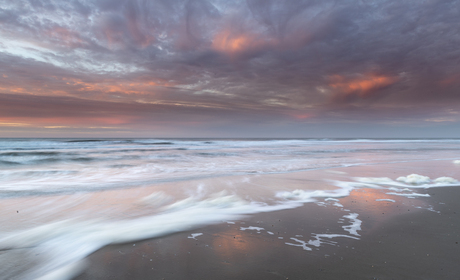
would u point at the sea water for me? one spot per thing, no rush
(63, 199)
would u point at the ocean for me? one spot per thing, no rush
(64, 199)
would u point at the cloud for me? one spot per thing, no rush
(237, 44)
(299, 61)
(363, 86)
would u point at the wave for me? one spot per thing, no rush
(60, 247)
(85, 141)
(63, 245)
(215, 154)
(8, 163)
(158, 143)
(83, 159)
(21, 154)
(110, 163)
(124, 141)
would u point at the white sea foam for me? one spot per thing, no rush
(337, 204)
(414, 179)
(410, 181)
(355, 224)
(326, 238)
(63, 244)
(445, 180)
(251, 228)
(457, 161)
(302, 244)
(386, 199)
(355, 185)
(432, 209)
(195, 235)
(310, 196)
(157, 199)
(409, 194)
(320, 239)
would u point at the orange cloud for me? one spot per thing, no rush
(71, 121)
(13, 89)
(64, 86)
(29, 89)
(451, 80)
(112, 86)
(233, 43)
(362, 86)
(303, 116)
(9, 122)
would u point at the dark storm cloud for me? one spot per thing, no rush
(314, 61)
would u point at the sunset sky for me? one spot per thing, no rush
(255, 68)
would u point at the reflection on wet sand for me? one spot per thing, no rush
(367, 201)
(332, 216)
(231, 245)
(232, 250)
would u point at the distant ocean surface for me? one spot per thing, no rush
(51, 166)
(63, 199)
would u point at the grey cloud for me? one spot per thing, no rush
(47, 110)
(243, 55)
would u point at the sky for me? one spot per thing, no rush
(255, 68)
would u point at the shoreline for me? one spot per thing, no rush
(414, 244)
(280, 225)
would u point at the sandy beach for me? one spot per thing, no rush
(291, 209)
(411, 238)
(216, 139)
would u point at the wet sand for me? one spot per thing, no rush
(347, 216)
(397, 241)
